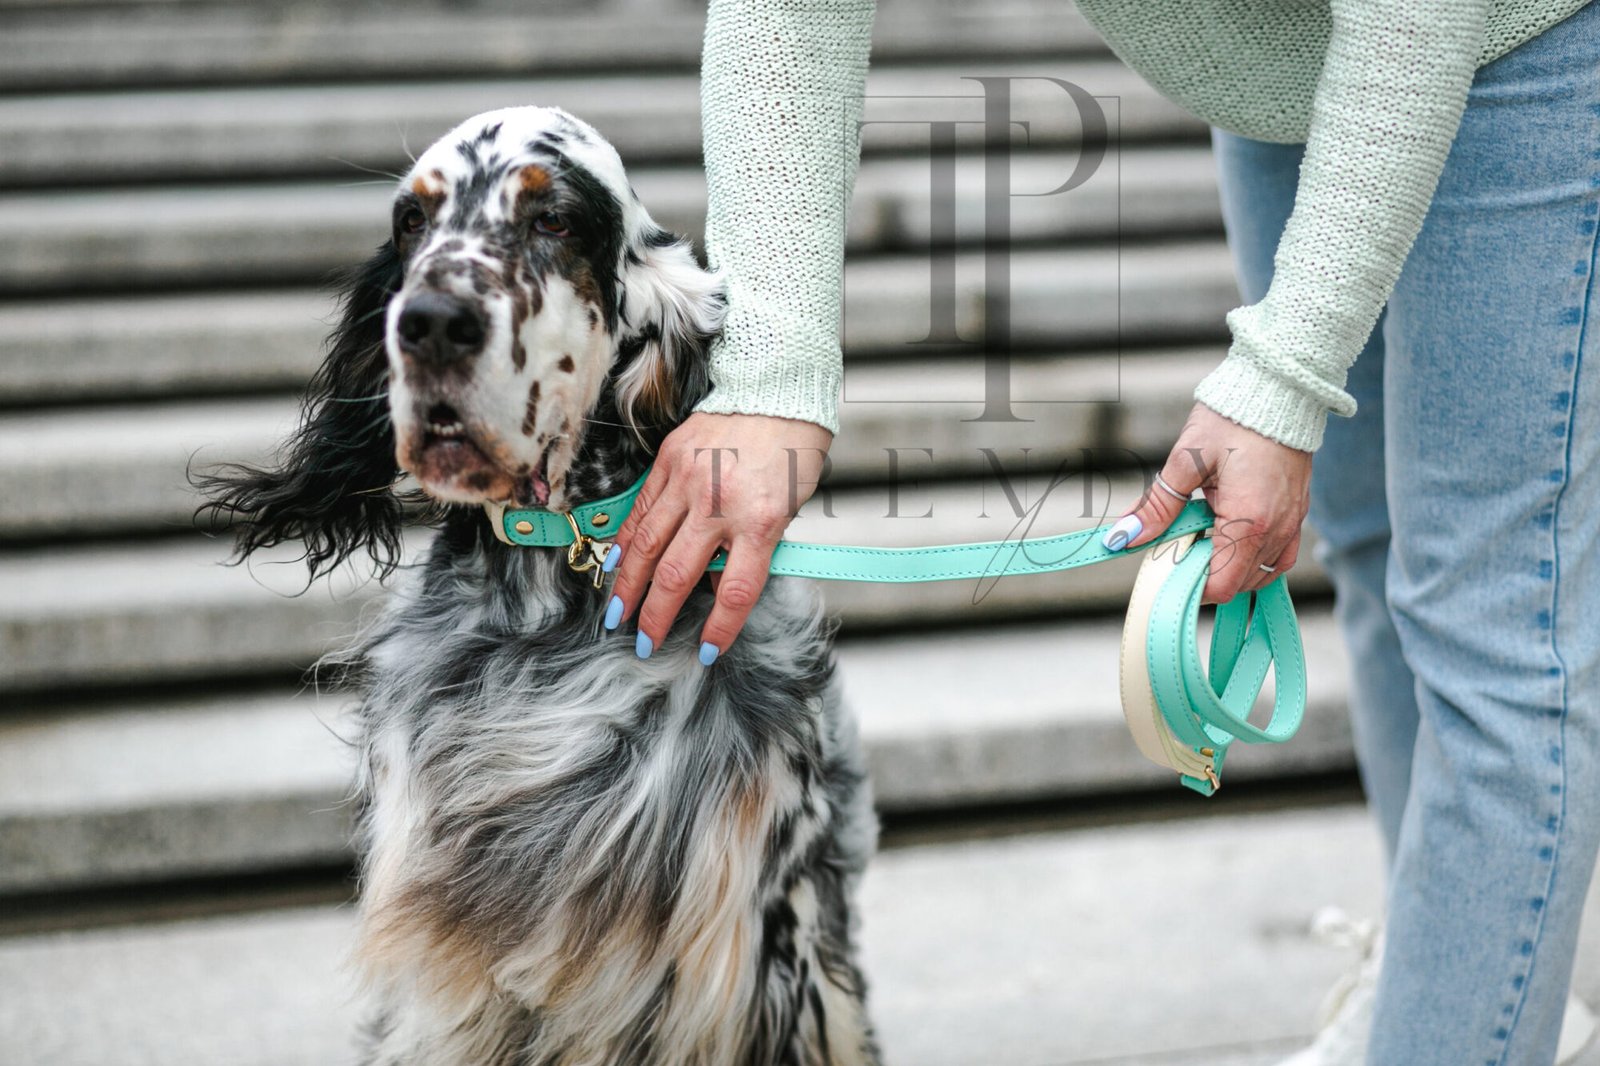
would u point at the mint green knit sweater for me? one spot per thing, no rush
(1375, 88)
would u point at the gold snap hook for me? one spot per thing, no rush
(582, 555)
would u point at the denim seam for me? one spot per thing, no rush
(1584, 313)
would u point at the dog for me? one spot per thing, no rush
(568, 856)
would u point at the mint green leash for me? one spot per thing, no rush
(1205, 708)
(1208, 710)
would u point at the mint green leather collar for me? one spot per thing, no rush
(535, 527)
(1204, 710)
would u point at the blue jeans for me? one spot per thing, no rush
(1458, 514)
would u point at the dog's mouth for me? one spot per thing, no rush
(452, 464)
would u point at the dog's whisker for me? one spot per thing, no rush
(625, 425)
(352, 164)
(404, 145)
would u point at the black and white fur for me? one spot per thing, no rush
(569, 856)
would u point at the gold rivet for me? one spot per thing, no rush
(1207, 753)
(599, 520)
(524, 527)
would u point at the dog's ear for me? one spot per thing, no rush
(671, 308)
(331, 484)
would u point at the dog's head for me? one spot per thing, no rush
(526, 321)
(530, 269)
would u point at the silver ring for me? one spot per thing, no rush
(1170, 491)
(1265, 567)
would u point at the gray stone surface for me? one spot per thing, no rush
(162, 610)
(1088, 295)
(133, 460)
(262, 132)
(1057, 949)
(209, 235)
(157, 43)
(157, 610)
(178, 787)
(171, 788)
(150, 346)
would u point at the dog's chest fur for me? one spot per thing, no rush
(572, 856)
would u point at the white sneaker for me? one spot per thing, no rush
(1577, 1029)
(1344, 1021)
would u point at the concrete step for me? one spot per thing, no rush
(1089, 295)
(1060, 948)
(1057, 948)
(98, 472)
(336, 130)
(204, 236)
(154, 346)
(147, 611)
(163, 610)
(72, 47)
(116, 348)
(221, 784)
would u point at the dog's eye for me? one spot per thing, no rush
(412, 221)
(553, 224)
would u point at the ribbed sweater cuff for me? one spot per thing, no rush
(1243, 392)
(758, 369)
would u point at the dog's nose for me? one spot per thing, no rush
(439, 328)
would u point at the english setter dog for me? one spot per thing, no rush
(569, 856)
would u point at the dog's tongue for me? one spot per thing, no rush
(533, 490)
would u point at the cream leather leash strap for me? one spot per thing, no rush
(1182, 716)
(1186, 719)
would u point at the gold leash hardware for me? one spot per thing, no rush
(585, 554)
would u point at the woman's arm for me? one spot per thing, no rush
(1384, 114)
(781, 99)
(781, 90)
(1385, 111)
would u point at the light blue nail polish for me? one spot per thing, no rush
(611, 559)
(613, 612)
(1118, 536)
(643, 646)
(708, 653)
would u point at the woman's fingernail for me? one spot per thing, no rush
(614, 612)
(611, 559)
(1118, 536)
(643, 645)
(708, 653)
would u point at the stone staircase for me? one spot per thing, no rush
(177, 180)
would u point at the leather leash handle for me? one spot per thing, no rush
(1181, 715)
(1151, 734)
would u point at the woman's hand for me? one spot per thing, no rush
(1259, 489)
(719, 481)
